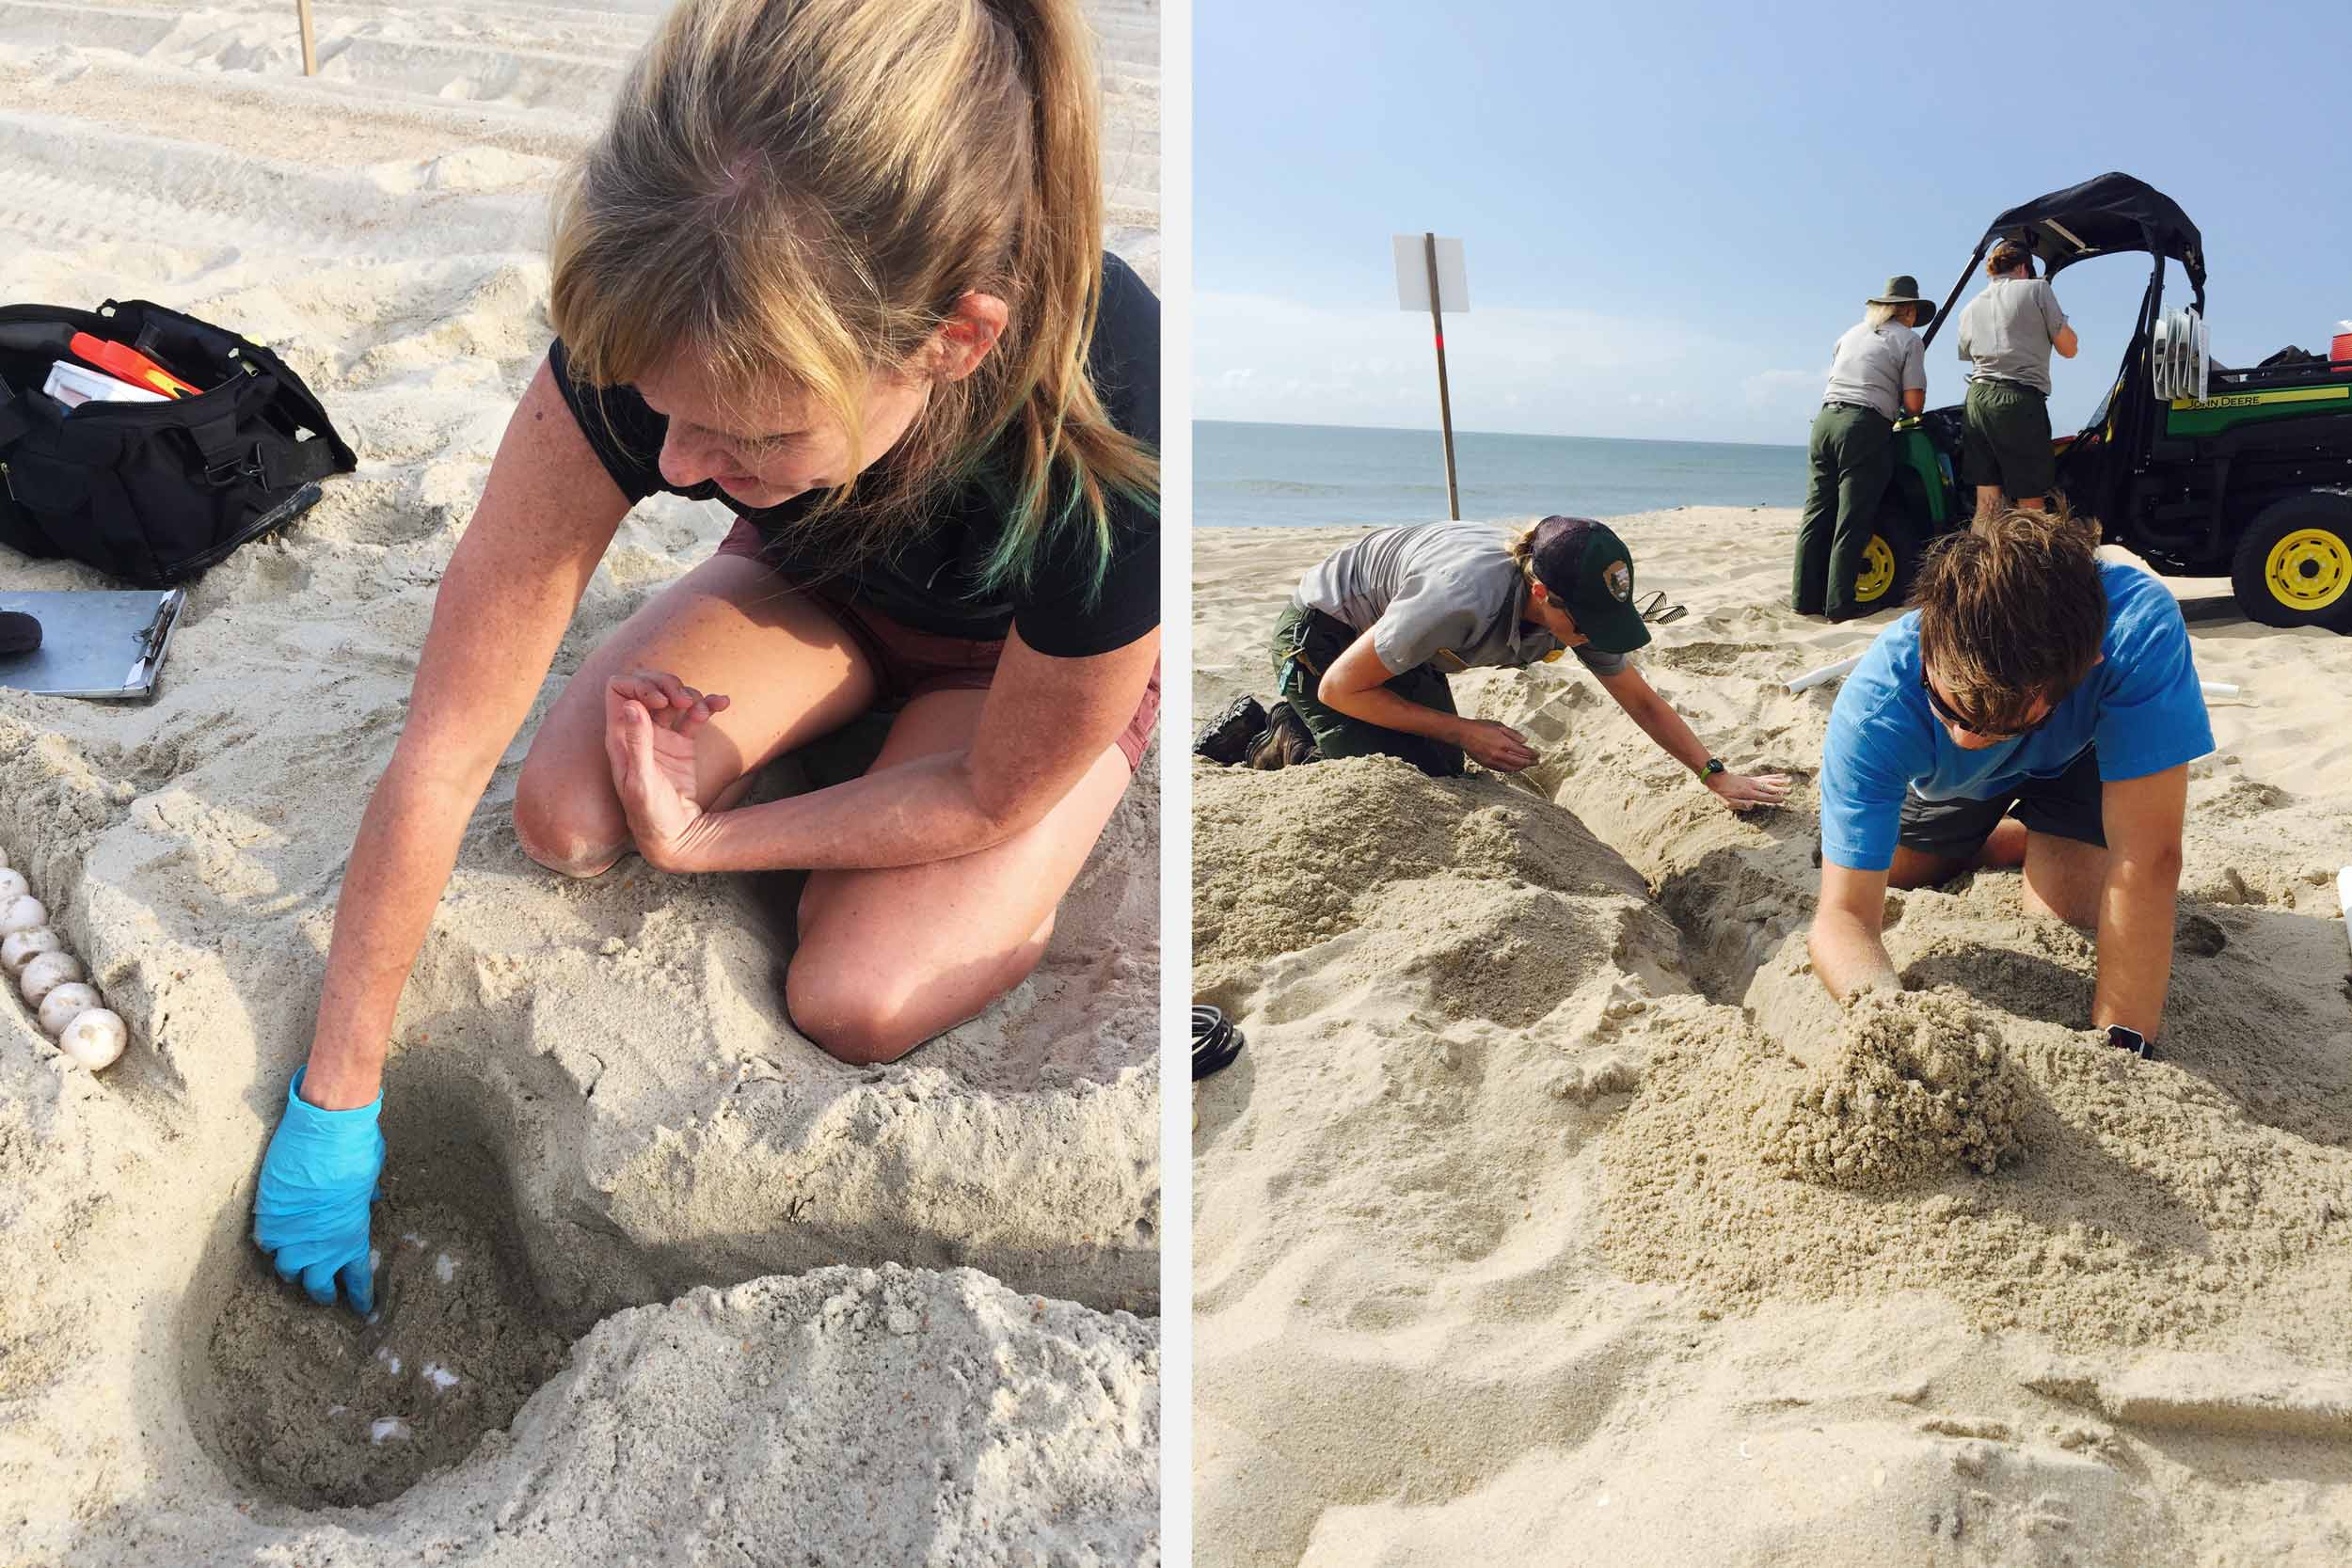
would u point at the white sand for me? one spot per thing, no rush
(612, 1058)
(1521, 1230)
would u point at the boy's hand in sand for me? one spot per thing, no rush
(1747, 791)
(651, 720)
(1497, 745)
(310, 1208)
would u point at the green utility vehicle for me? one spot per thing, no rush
(2199, 470)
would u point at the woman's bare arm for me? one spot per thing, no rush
(547, 513)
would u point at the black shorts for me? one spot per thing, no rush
(2067, 807)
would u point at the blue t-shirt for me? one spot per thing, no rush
(2142, 707)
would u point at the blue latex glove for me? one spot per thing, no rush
(310, 1211)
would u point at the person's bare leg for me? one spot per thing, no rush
(1988, 502)
(2064, 877)
(790, 670)
(1916, 868)
(888, 958)
(2004, 846)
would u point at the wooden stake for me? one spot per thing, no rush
(1445, 403)
(309, 49)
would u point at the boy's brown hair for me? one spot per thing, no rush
(2011, 611)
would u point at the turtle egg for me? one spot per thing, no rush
(95, 1038)
(45, 974)
(22, 912)
(12, 884)
(23, 948)
(64, 1005)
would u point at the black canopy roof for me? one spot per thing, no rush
(2105, 215)
(2099, 216)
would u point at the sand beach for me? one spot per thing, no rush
(661, 1281)
(1553, 1212)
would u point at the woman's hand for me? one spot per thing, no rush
(651, 719)
(1745, 791)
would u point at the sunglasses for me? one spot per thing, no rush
(1949, 716)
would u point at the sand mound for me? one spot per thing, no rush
(1917, 1085)
(612, 1057)
(1477, 1276)
(1462, 873)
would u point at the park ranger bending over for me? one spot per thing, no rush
(1362, 650)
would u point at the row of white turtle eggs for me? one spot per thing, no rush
(51, 979)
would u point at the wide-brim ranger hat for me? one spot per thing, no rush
(1903, 289)
(1586, 568)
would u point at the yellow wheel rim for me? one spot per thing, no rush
(1878, 570)
(2308, 570)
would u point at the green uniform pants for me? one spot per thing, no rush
(1305, 643)
(1854, 460)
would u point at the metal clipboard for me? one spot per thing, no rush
(99, 644)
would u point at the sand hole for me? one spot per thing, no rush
(313, 1408)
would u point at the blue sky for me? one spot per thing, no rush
(1671, 211)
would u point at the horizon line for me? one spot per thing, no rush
(1527, 435)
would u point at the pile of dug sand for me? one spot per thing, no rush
(1582, 1214)
(1918, 1085)
(595, 1106)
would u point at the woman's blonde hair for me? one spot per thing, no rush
(1875, 315)
(1522, 548)
(801, 191)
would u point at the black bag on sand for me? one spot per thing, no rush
(152, 492)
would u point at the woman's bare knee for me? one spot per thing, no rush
(862, 1011)
(852, 1020)
(564, 833)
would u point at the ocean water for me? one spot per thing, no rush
(1307, 475)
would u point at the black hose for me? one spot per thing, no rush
(1215, 1043)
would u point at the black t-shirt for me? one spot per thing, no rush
(930, 580)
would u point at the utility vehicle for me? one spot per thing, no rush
(2197, 468)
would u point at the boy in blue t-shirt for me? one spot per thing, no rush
(2039, 709)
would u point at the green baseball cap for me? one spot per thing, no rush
(1587, 569)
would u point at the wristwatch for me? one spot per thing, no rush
(1714, 766)
(2132, 1040)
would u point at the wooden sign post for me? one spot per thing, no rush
(1429, 272)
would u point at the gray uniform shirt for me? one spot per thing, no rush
(1447, 594)
(2007, 331)
(1876, 365)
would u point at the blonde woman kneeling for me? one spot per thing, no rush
(836, 264)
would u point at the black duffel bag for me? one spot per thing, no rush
(152, 492)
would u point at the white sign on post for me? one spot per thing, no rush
(1429, 276)
(1412, 274)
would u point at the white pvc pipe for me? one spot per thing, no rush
(1826, 673)
(2217, 688)
(2343, 899)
